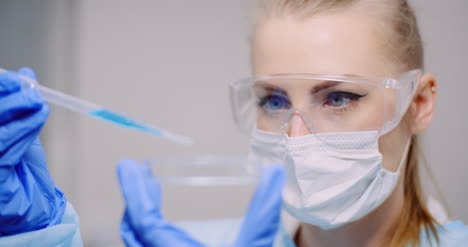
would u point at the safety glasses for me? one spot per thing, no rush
(322, 103)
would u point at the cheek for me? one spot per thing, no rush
(392, 145)
(368, 114)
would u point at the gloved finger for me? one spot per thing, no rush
(142, 194)
(263, 216)
(16, 137)
(17, 105)
(34, 160)
(36, 153)
(133, 185)
(9, 83)
(153, 187)
(128, 235)
(28, 72)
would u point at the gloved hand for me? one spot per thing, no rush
(143, 224)
(29, 199)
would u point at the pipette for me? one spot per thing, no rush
(78, 105)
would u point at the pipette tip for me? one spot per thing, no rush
(187, 141)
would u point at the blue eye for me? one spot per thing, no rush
(340, 99)
(274, 103)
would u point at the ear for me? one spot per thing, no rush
(423, 105)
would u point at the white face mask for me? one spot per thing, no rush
(333, 178)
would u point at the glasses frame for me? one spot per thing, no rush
(405, 85)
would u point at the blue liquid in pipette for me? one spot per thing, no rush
(124, 121)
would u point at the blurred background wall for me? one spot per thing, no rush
(169, 63)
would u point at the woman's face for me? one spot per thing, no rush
(330, 44)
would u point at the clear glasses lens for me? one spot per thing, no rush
(275, 104)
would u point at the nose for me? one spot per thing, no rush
(297, 126)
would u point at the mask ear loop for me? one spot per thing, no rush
(404, 156)
(414, 86)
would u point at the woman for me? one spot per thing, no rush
(338, 97)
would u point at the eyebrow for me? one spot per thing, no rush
(351, 75)
(272, 88)
(323, 86)
(329, 84)
(317, 88)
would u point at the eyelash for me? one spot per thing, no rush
(265, 99)
(352, 97)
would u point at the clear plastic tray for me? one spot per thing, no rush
(206, 170)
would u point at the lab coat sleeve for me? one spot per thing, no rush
(455, 234)
(65, 234)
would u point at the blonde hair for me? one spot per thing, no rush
(403, 43)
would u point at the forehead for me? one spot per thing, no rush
(336, 44)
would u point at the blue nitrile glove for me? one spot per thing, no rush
(144, 226)
(29, 199)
